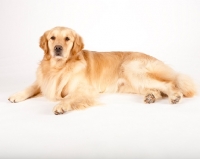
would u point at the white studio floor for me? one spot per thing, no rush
(123, 127)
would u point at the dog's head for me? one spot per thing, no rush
(61, 43)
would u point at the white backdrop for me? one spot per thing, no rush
(123, 127)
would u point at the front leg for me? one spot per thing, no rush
(25, 94)
(74, 101)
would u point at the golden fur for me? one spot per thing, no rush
(77, 76)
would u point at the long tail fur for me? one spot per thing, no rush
(186, 85)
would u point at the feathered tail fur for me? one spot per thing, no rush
(186, 85)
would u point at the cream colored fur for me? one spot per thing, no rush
(78, 76)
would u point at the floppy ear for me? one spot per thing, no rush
(44, 44)
(78, 45)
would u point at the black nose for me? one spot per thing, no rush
(58, 49)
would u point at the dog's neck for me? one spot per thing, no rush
(57, 63)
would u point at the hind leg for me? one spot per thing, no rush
(151, 95)
(174, 94)
(153, 90)
(149, 77)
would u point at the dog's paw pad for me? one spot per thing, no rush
(149, 98)
(11, 100)
(59, 112)
(18, 97)
(176, 100)
(58, 109)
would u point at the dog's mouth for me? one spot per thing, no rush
(58, 54)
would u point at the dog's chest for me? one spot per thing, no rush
(55, 85)
(51, 83)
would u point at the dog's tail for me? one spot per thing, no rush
(186, 85)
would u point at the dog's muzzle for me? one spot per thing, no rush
(58, 50)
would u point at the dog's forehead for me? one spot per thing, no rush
(62, 32)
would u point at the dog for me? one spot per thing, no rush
(75, 77)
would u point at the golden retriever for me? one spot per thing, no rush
(75, 77)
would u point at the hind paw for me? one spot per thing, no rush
(175, 99)
(149, 98)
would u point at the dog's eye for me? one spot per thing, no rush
(53, 38)
(67, 39)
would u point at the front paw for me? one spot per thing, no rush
(59, 109)
(18, 97)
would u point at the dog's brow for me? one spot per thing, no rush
(55, 33)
